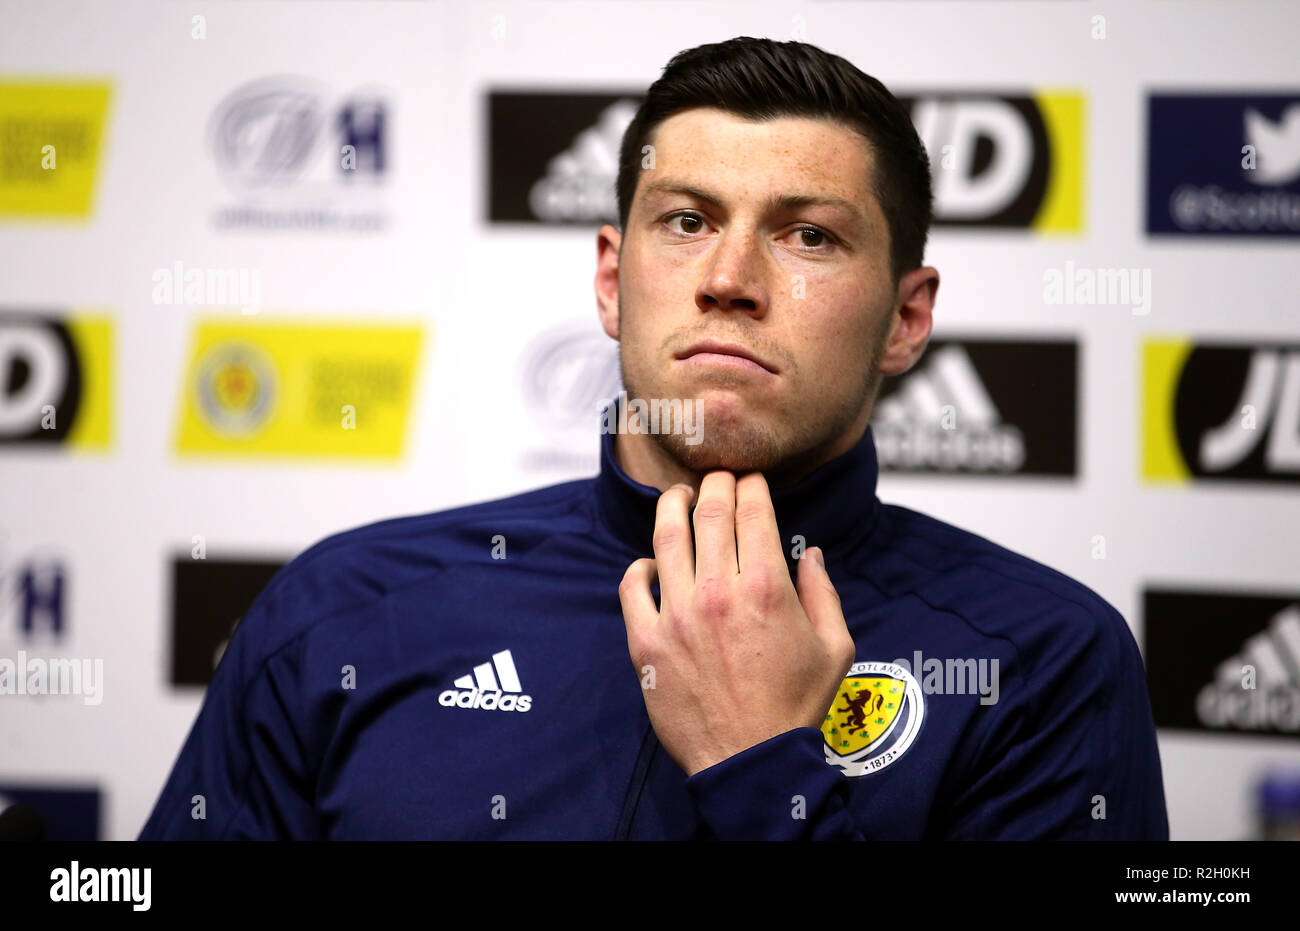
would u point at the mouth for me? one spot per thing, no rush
(730, 355)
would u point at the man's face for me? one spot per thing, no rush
(804, 287)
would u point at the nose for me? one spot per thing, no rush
(733, 279)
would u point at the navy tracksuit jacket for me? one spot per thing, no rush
(400, 680)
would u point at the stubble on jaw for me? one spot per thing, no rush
(785, 453)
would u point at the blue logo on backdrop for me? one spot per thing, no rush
(32, 598)
(302, 157)
(1223, 164)
(270, 133)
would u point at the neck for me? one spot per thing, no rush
(645, 461)
(833, 506)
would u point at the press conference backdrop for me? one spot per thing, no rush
(273, 270)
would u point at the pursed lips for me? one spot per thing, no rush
(712, 352)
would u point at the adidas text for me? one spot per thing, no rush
(487, 700)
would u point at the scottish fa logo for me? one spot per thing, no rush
(875, 717)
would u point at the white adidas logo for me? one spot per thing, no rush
(1273, 703)
(579, 182)
(488, 689)
(942, 417)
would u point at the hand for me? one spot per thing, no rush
(738, 656)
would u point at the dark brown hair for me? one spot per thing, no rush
(762, 79)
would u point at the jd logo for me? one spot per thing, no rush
(1003, 161)
(55, 377)
(1230, 412)
(1266, 417)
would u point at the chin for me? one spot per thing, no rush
(743, 448)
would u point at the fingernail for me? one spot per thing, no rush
(817, 554)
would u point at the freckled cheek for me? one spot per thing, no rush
(641, 336)
(657, 297)
(833, 332)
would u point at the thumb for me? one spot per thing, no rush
(818, 596)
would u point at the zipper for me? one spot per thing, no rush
(644, 757)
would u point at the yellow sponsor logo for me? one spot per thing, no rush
(1162, 365)
(1062, 207)
(280, 389)
(92, 339)
(50, 139)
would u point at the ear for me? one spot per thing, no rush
(913, 318)
(608, 242)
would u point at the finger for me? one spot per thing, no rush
(674, 552)
(635, 596)
(819, 599)
(715, 527)
(758, 541)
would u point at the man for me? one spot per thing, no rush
(724, 634)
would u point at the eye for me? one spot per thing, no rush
(689, 220)
(821, 237)
(812, 238)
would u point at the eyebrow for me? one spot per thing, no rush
(775, 203)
